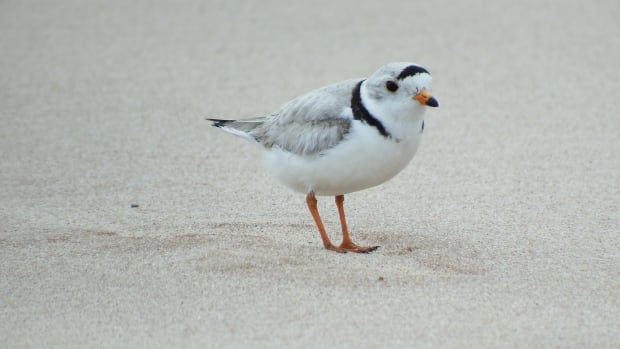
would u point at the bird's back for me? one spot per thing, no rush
(306, 126)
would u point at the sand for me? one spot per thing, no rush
(502, 232)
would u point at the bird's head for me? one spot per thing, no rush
(400, 88)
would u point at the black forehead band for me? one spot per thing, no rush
(411, 71)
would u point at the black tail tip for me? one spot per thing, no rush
(217, 122)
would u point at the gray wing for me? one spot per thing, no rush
(311, 123)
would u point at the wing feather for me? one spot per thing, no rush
(311, 123)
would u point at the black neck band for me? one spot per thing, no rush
(361, 113)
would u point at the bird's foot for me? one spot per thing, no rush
(351, 247)
(335, 248)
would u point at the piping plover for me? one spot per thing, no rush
(343, 137)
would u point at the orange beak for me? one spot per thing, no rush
(425, 98)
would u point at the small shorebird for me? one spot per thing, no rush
(343, 137)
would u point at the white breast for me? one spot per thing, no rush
(363, 160)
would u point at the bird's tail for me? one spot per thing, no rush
(220, 122)
(241, 128)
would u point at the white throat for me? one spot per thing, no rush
(402, 119)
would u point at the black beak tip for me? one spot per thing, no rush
(432, 102)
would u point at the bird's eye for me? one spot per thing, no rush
(391, 86)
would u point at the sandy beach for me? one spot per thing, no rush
(127, 221)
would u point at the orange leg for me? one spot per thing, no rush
(347, 244)
(311, 201)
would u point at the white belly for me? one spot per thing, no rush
(364, 160)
